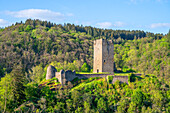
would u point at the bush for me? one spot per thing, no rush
(131, 78)
(85, 68)
(109, 78)
(75, 80)
(28, 28)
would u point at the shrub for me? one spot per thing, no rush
(131, 78)
(85, 68)
(28, 28)
(109, 79)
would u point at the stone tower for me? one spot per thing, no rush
(50, 72)
(103, 56)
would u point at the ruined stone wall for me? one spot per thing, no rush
(70, 75)
(120, 78)
(80, 76)
(65, 76)
(60, 76)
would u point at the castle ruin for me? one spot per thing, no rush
(62, 76)
(103, 62)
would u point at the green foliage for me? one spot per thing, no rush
(31, 92)
(35, 43)
(85, 68)
(146, 56)
(137, 101)
(40, 42)
(6, 94)
(1, 29)
(101, 105)
(96, 95)
(18, 82)
(28, 28)
(131, 78)
(59, 107)
(36, 74)
(122, 105)
(66, 65)
(2, 72)
(12, 88)
(109, 78)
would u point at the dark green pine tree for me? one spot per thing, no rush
(18, 81)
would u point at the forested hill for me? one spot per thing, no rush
(26, 49)
(95, 32)
(40, 42)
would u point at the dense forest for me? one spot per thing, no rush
(26, 49)
(40, 42)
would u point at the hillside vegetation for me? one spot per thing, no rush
(39, 42)
(147, 94)
(26, 49)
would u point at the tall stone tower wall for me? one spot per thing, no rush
(97, 64)
(50, 72)
(103, 56)
(107, 56)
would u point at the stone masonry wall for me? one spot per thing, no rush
(65, 76)
(97, 58)
(120, 78)
(70, 75)
(107, 56)
(80, 76)
(60, 76)
(103, 56)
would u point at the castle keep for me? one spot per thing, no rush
(103, 56)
